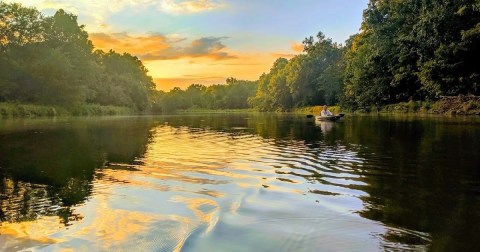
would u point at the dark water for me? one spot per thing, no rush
(241, 182)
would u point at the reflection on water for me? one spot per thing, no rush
(242, 182)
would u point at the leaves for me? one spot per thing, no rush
(414, 49)
(49, 60)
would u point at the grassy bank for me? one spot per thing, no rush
(315, 110)
(210, 111)
(31, 110)
(450, 105)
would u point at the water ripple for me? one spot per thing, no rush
(194, 186)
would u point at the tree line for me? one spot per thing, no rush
(405, 50)
(413, 50)
(51, 61)
(312, 78)
(231, 95)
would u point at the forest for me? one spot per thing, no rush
(51, 61)
(412, 50)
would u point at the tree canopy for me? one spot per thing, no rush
(312, 78)
(50, 60)
(413, 50)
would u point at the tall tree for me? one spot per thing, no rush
(415, 49)
(19, 25)
(312, 78)
(49, 60)
(325, 62)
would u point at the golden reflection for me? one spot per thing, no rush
(208, 216)
(178, 168)
(184, 156)
(29, 233)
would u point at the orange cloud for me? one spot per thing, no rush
(161, 47)
(296, 47)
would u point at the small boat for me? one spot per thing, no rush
(331, 118)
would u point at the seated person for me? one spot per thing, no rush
(325, 111)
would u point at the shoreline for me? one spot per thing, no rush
(18, 110)
(446, 106)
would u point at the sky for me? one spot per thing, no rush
(182, 42)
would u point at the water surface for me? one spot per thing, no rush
(240, 182)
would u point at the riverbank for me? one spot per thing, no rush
(315, 110)
(213, 111)
(447, 105)
(451, 105)
(33, 110)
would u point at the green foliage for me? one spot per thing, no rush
(32, 110)
(123, 81)
(98, 110)
(308, 79)
(19, 25)
(50, 61)
(26, 110)
(413, 50)
(232, 95)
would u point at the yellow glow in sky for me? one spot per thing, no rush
(183, 72)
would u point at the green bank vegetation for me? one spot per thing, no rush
(29, 110)
(409, 56)
(449, 105)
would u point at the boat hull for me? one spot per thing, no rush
(327, 118)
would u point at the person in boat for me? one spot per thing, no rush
(325, 111)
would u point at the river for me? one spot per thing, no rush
(240, 182)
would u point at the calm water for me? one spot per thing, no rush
(242, 182)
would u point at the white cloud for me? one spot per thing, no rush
(94, 13)
(189, 6)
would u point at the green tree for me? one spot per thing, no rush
(238, 92)
(449, 32)
(124, 81)
(19, 26)
(270, 93)
(313, 78)
(413, 50)
(324, 62)
(194, 96)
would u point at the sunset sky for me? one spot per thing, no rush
(206, 41)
